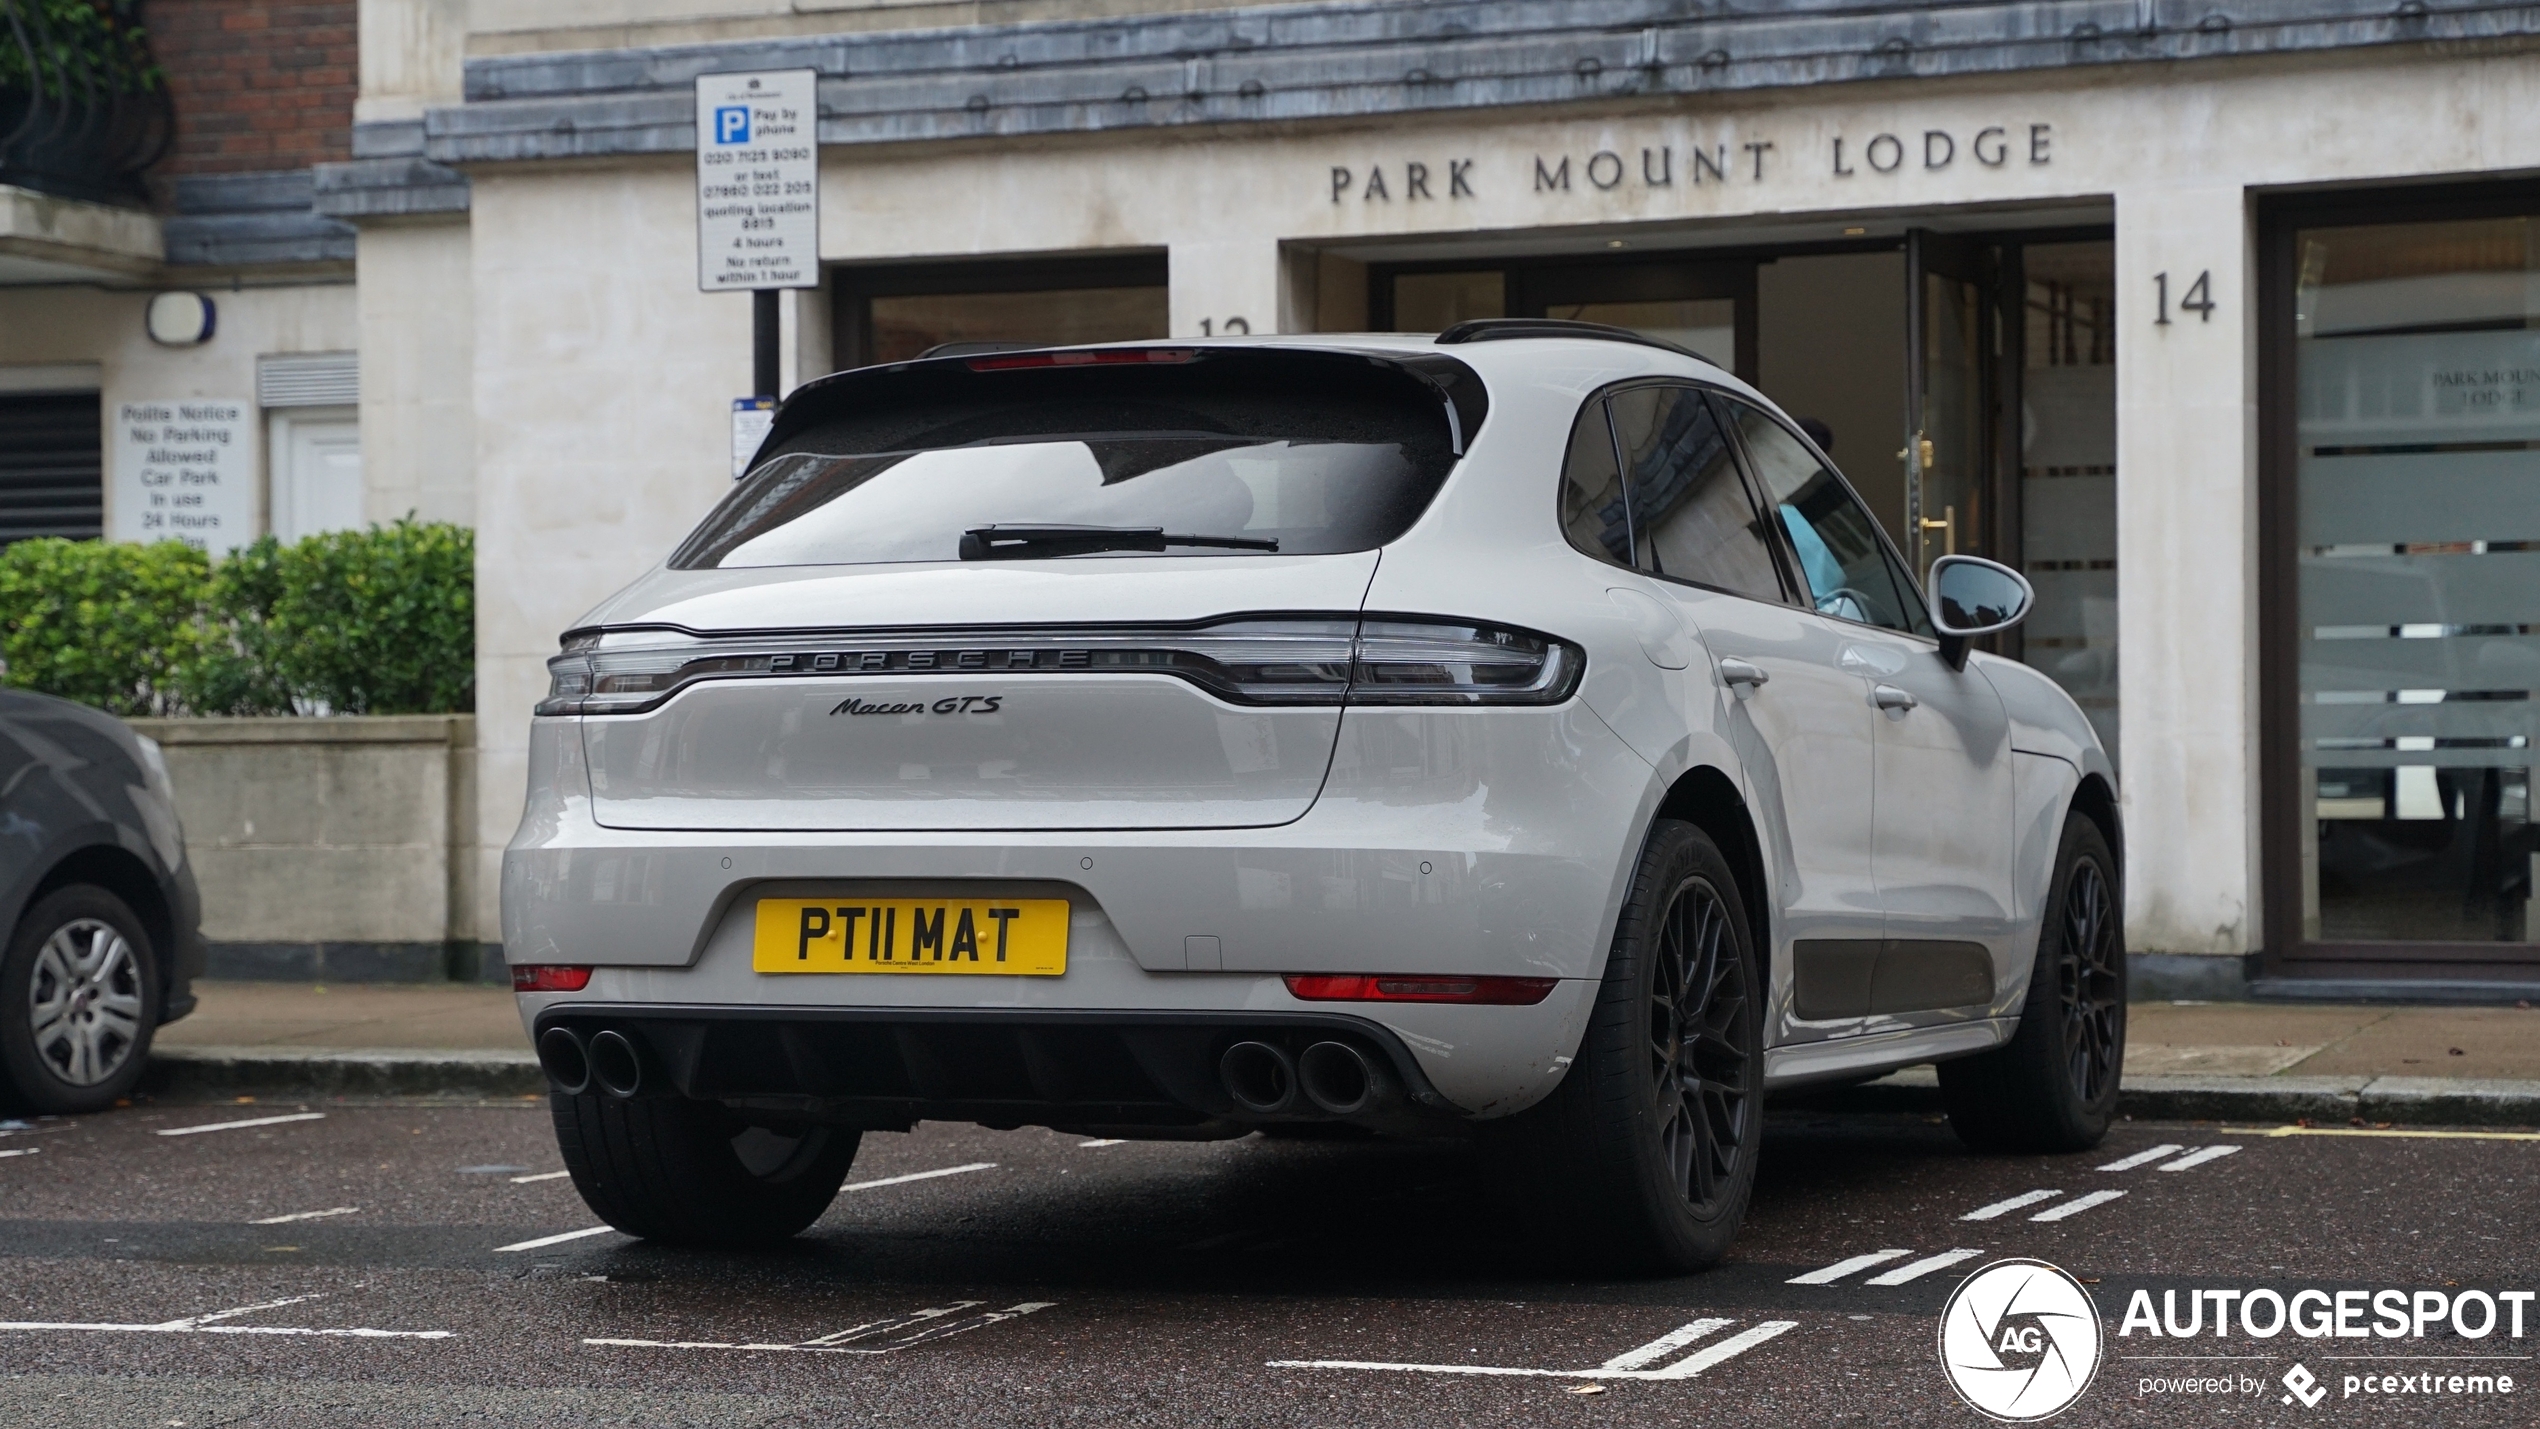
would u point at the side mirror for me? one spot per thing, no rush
(1971, 596)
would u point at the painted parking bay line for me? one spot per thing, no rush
(920, 1176)
(21, 1151)
(541, 1176)
(210, 1325)
(1913, 1270)
(1703, 1359)
(1842, 1268)
(2145, 1158)
(544, 1241)
(925, 1326)
(2195, 1159)
(2422, 1135)
(2077, 1205)
(241, 1125)
(2003, 1208)
(307, 1216)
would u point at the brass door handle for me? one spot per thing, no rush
(1948, 523)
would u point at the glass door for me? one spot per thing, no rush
(1947, 447)
(2413, 548)
(1706, 306)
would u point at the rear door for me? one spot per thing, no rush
(1804, 728)
(1942, 833)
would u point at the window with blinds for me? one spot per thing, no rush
(52, 466)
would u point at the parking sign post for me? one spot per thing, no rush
(758, 196)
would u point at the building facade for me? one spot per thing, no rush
(2218, 322)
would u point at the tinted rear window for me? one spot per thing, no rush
(1319, 452)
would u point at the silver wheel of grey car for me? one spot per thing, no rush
(81, 990)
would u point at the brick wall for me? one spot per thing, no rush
(258, 84)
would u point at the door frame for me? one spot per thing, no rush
(2283, 951)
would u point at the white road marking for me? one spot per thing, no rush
(919, 1176)
(1917, 1269)
(1685, 1368)
(22, 1151)
(2199, 1158)
(1842, 1268)
(541, 1176)
(547, 1240)
(252, 1121)
(207, 1325)
(2003, 1208)
(2077, 1205)
(1106, 1141)
(306, 1216)
(1665, 1345)
(1729, 1348)
(2140, 1158)
(934, 1327)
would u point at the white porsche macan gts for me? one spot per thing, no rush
(1523, 734)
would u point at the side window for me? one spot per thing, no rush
(1691, 514)
(1841, 560)
(1592, 509)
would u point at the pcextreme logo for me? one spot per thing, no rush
(2020, 1341)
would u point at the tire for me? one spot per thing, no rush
(694, 1173)
(1643, 1158)
(79, 1000)
(2053, 1086)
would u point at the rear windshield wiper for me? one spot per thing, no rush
(1005, 543)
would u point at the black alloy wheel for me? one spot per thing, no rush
(2053, 1086)
(1642, 1159)
(1701, 1047)
(2091, 978)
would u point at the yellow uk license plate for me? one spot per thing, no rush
(1008, 936)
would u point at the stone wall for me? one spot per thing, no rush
(332, 849)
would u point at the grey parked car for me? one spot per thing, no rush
(96, 901)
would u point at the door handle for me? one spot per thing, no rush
(1738, 672)
(1888, 697)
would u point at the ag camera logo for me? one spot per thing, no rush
(2020, 1341)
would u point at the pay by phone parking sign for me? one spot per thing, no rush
(758, 181)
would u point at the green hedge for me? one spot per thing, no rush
(381, 621)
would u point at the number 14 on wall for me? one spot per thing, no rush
(2198, 299)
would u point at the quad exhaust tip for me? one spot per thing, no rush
(615, 1064)
(566, 1060)
(1260, 1076)
(1338, 1078)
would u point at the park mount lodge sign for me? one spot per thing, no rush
(1663, 166)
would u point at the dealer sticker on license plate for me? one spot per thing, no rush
(1008, 936)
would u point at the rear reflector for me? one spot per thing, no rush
(550, 978)
(1353, 987)
(1084, 357)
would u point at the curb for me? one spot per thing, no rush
(2417, 1101)
(178, 1073)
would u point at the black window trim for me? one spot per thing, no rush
(1631, 517)
(1789, 556)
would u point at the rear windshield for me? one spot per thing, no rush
(1242, 453)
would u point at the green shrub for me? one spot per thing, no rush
(116, 626)
(381, 621)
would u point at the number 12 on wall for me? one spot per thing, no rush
(2198, 298)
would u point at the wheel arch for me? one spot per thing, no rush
(2095, 801)
(1708, 799)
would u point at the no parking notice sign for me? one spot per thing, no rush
(758, 180)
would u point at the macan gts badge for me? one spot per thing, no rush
(1523, 734)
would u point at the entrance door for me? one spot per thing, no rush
(1947, 372)
(1706, 306)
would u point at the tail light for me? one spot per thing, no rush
(1277, 660)
(1358, 987)
(550, 977)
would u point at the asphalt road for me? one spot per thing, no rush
(152, 1279)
